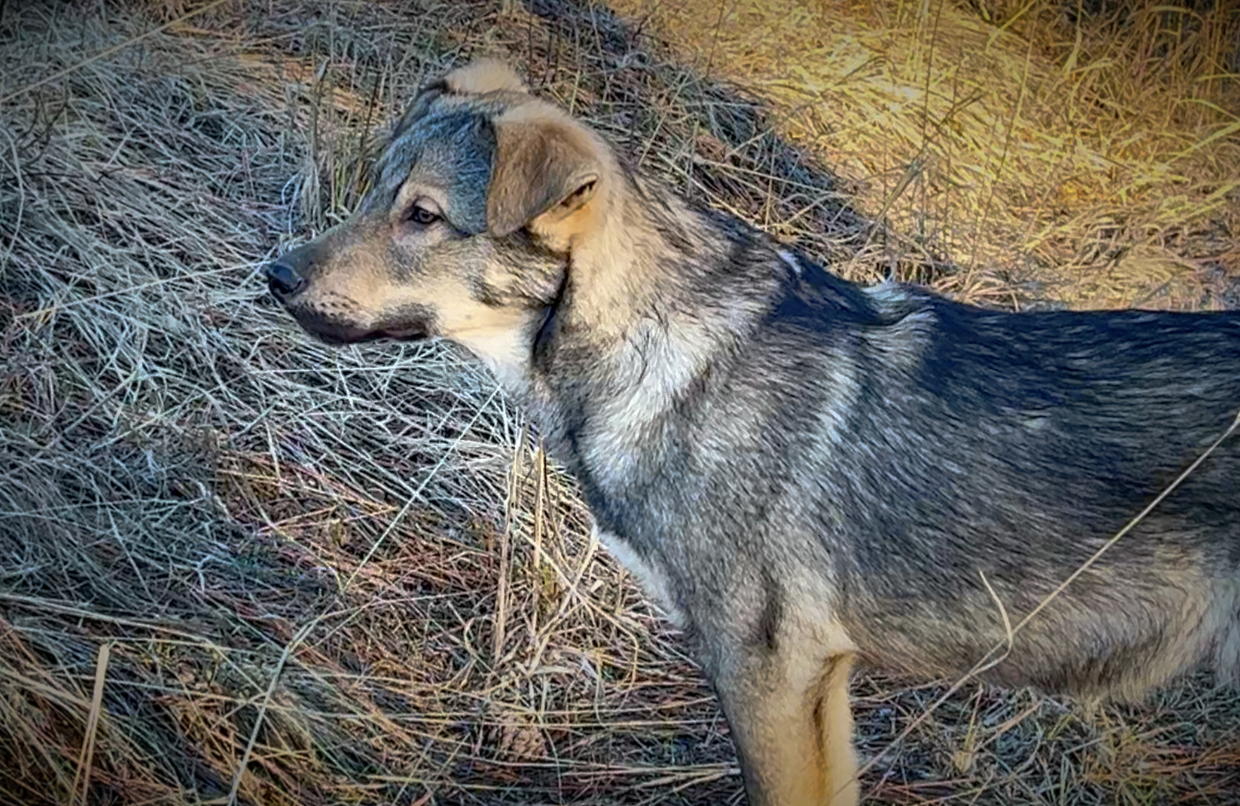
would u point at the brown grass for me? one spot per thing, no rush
(237, 565)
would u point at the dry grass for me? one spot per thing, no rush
(237, 565)
(1092, 161)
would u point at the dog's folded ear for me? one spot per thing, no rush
(476, 78)
(546, 170)
(418, 107)
(482, 76)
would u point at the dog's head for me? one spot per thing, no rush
(479, 199)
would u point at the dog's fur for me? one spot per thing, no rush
(802, 472)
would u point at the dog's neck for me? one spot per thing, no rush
(619, 273)
(655, 294)
(655, 258)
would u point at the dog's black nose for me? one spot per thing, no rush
(283, 279)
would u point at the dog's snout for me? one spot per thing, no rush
(283, 279)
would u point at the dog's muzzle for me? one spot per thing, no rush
(287, 283)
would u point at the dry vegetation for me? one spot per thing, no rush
(1075, 153)
(238, 566)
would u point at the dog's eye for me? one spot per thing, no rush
(421, 216)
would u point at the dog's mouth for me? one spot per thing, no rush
(336, 332)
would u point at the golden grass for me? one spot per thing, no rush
(1084, 159)
(236, 565)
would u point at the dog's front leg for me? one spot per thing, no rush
(791, 724)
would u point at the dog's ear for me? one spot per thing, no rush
(477, 77)
(482, 76)
(546, 170)
(419, 106)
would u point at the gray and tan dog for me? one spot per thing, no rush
(802, 472)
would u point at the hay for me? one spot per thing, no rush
(235, 564)
(1041, 160)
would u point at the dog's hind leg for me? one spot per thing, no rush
(792, 725)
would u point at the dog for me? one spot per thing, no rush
(805, 474)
